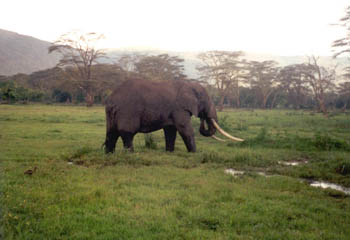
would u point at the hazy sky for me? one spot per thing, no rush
(280, 27)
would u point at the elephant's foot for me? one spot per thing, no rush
(110, 142)
(190, 143)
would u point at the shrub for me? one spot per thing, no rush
(326, 143)
(343, 168)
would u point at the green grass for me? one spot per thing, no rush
(152, 194)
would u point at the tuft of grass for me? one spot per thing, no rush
(318, 142)
(150, 142)
(343, 168)
(326, 143)
(81, 152)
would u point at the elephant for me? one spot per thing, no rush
(139, 106)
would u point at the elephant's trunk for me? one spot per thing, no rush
(210, 117)
(207, 132)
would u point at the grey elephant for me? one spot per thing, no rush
(145, 106)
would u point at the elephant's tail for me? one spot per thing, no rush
(111, 119)
(111, 131)
(111, 124)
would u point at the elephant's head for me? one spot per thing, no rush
(195, 99)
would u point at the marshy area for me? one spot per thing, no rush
(257, 189)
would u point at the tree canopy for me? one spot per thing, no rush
(79, 52)
(341, 46)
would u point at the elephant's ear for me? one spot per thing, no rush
(187, 99)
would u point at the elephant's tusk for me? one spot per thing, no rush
(218, 139)
(225, 133)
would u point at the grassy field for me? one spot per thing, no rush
(78, 192)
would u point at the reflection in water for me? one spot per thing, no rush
(291, 163)
(320, 184)
(233, 172)
(330, 185)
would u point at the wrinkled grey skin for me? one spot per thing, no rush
(144, 106)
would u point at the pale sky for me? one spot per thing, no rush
(279, 27)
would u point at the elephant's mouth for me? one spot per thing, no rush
(212, 127)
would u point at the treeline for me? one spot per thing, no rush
(59, 85)
(238, 82)
(231, 80)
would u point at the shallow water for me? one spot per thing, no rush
(233, 172)
(291, 163)
(319, 184)
(331, 186)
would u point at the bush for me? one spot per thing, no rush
(343, 168)
(61, 96)
(326, 143)
(11, 92)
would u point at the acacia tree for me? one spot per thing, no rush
(108, 76)
(320, 79)
(160, 67)
(79, 51)
(342, 45)
(128, 61)
(263, 78)
(226, 71)
(344, 93)
(291, 83)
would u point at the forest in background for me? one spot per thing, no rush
(87, 74)
(231, 80)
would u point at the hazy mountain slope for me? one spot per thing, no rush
(23, 54)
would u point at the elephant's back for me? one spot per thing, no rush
(135, 92)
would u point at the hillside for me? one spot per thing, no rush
(23, 54)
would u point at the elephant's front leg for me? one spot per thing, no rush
(183, 125)
(170, 137)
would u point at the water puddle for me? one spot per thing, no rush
(263, 174)
(333, 186)
(233, 172)
(319, 184)
(291, 163)
(236, 173)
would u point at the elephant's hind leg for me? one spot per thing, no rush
(170, 137)
(127, 138)
(111, 140)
